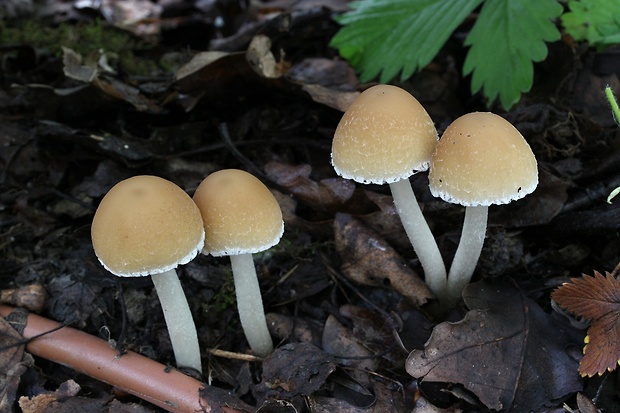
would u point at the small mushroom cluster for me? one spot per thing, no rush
(146, 225)
(386, 135)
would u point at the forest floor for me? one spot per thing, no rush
(84, 104)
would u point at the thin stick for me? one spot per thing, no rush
(233, 356)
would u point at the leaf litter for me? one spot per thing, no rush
(506, 350)
(342, 289)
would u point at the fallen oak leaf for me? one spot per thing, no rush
(506, 350)
(598, 300)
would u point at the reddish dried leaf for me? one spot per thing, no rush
(597, 299)
(602, 349)
(590, 297)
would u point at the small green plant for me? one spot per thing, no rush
(385, 37)
(224, 298)
(594, 21)
(615, 110)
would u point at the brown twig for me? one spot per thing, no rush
(233, 356)
(167, 388)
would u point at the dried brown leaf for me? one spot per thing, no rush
(329, 194)
(63, 400)
(585, 404)
(369, 260)
(597, 299)
(507, 351)
(261, 59)
(295, 369)
(351, 351)
(10, 367)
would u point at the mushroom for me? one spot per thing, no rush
(241, 216)
(146, 225)
(481, 159)
(385, 136)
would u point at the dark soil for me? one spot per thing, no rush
(65, 142)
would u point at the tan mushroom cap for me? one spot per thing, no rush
(481, 159)
(146, 225)
(240, 214)
(384, 136)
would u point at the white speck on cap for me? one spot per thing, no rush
(481, 159)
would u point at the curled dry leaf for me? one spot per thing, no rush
(11, 369)
(386, 220)
(285, 327)
(350, 350)
(332, 194)
(98, 73)
(261, 60)
(336, 99)
(369, 260)
(597, 299)
(585, 404)
(296, 369)
(359, 390)
(64, 399)
(33, 297)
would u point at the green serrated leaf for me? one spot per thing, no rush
(390, 36)
(507, 37)
(595, 21)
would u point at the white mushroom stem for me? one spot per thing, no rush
(468, 251)
(179, 320)
(250, 304)
(420, 236)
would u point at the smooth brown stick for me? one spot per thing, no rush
(131, 372)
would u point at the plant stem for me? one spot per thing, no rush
(615, 110)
